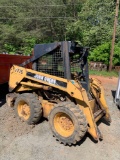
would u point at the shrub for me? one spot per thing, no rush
(102, 53)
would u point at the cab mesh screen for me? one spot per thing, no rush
(52, 63)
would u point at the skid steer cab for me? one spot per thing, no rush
(58, 88)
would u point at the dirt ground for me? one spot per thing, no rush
(19, 141)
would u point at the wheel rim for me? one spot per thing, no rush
(63, 124)
(23, 110)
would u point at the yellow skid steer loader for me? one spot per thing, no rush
(58, 88)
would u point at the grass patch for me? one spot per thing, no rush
(104, 73)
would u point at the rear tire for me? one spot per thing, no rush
(67, 123)
(28, 108)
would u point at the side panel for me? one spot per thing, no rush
(16, 75)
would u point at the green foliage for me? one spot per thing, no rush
(102, 53)
(9, 48)
(24, 23)
(95, 21)
(74, 32)
(28, 45)
(116, 57)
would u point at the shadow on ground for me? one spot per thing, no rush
(113, 92)
(2, 102)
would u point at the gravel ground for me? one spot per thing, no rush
(19, 141)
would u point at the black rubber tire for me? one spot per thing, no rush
(78, 118)
(34, 104)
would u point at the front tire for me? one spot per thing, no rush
(67, 123)
(28, 108)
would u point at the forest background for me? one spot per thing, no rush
(25, 23)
